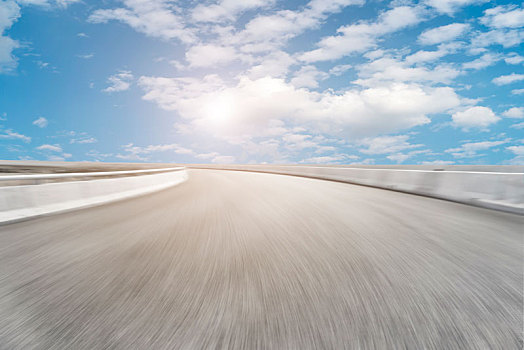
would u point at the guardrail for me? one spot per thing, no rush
(18, 202)
(38, 178)
(489, 189)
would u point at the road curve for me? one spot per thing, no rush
(232, 260)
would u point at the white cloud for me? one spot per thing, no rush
(86, 56)
(482, 62)
(474, 117)
(297, 142)
(207, 155)
(9, 13)
(514, 58)
(518, 150)
(223, 159)
(451, 6)
(226, 10)
(248, 107)
(308, 76)
(59, 3)
(515, 112)
(504, 17)
(275, 64)
(518, 126)
(83, 140)
(387, 144)
(265, 33)
(423, 56)
(9, 134)
(120, 81)
(508, 79)
(41, 122)
(517, 91)
(337, 158)
(398, 148)
(135, 151)
(402, 157)
(364, 35)
(340, 69)
(504, 37)
(471, 149)
(211, 55)
(156, 18)
(388, 70)
(51, 148)
(443, 34)
(437, 162)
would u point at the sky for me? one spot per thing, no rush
(263, 81)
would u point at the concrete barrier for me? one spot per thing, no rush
(489, 189)
(22, 202)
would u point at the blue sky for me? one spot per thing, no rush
(263, 81)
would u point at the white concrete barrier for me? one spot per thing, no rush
(490, 189)
(21, 202)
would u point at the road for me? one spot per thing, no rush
(233, 260)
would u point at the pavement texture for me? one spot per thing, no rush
(233, 260)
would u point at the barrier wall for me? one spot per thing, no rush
(21, 202)
(490, 189)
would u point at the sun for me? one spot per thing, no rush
(219, 110)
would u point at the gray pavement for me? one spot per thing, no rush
(232, 260)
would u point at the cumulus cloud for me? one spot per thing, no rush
(508, 79)
(83, 140)
(47, 3)
(226, 10)
(443, 34)
(266, 33)
(133, 152)
(482, 62)
(9, 14)
(423, 56)
(471, 149)
(51, 148)
(41, 122)
(334, 159)
(437, 162)
(388, 69)
(363, 36)
(504, 37)
(518, 126)
(514, 58)
(514, 112)
(518, 150)
(249, 106)
(223, 159)
(308, 76)
(155, 18)
(509, 16)
(120, 81)
(475, 117)
(449, 7)
(211, 55)
(9, 134)
(387, 144)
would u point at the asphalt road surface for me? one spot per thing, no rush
(232, 260)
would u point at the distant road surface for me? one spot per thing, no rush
(233, 260)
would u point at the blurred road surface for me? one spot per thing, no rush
(232, 260)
